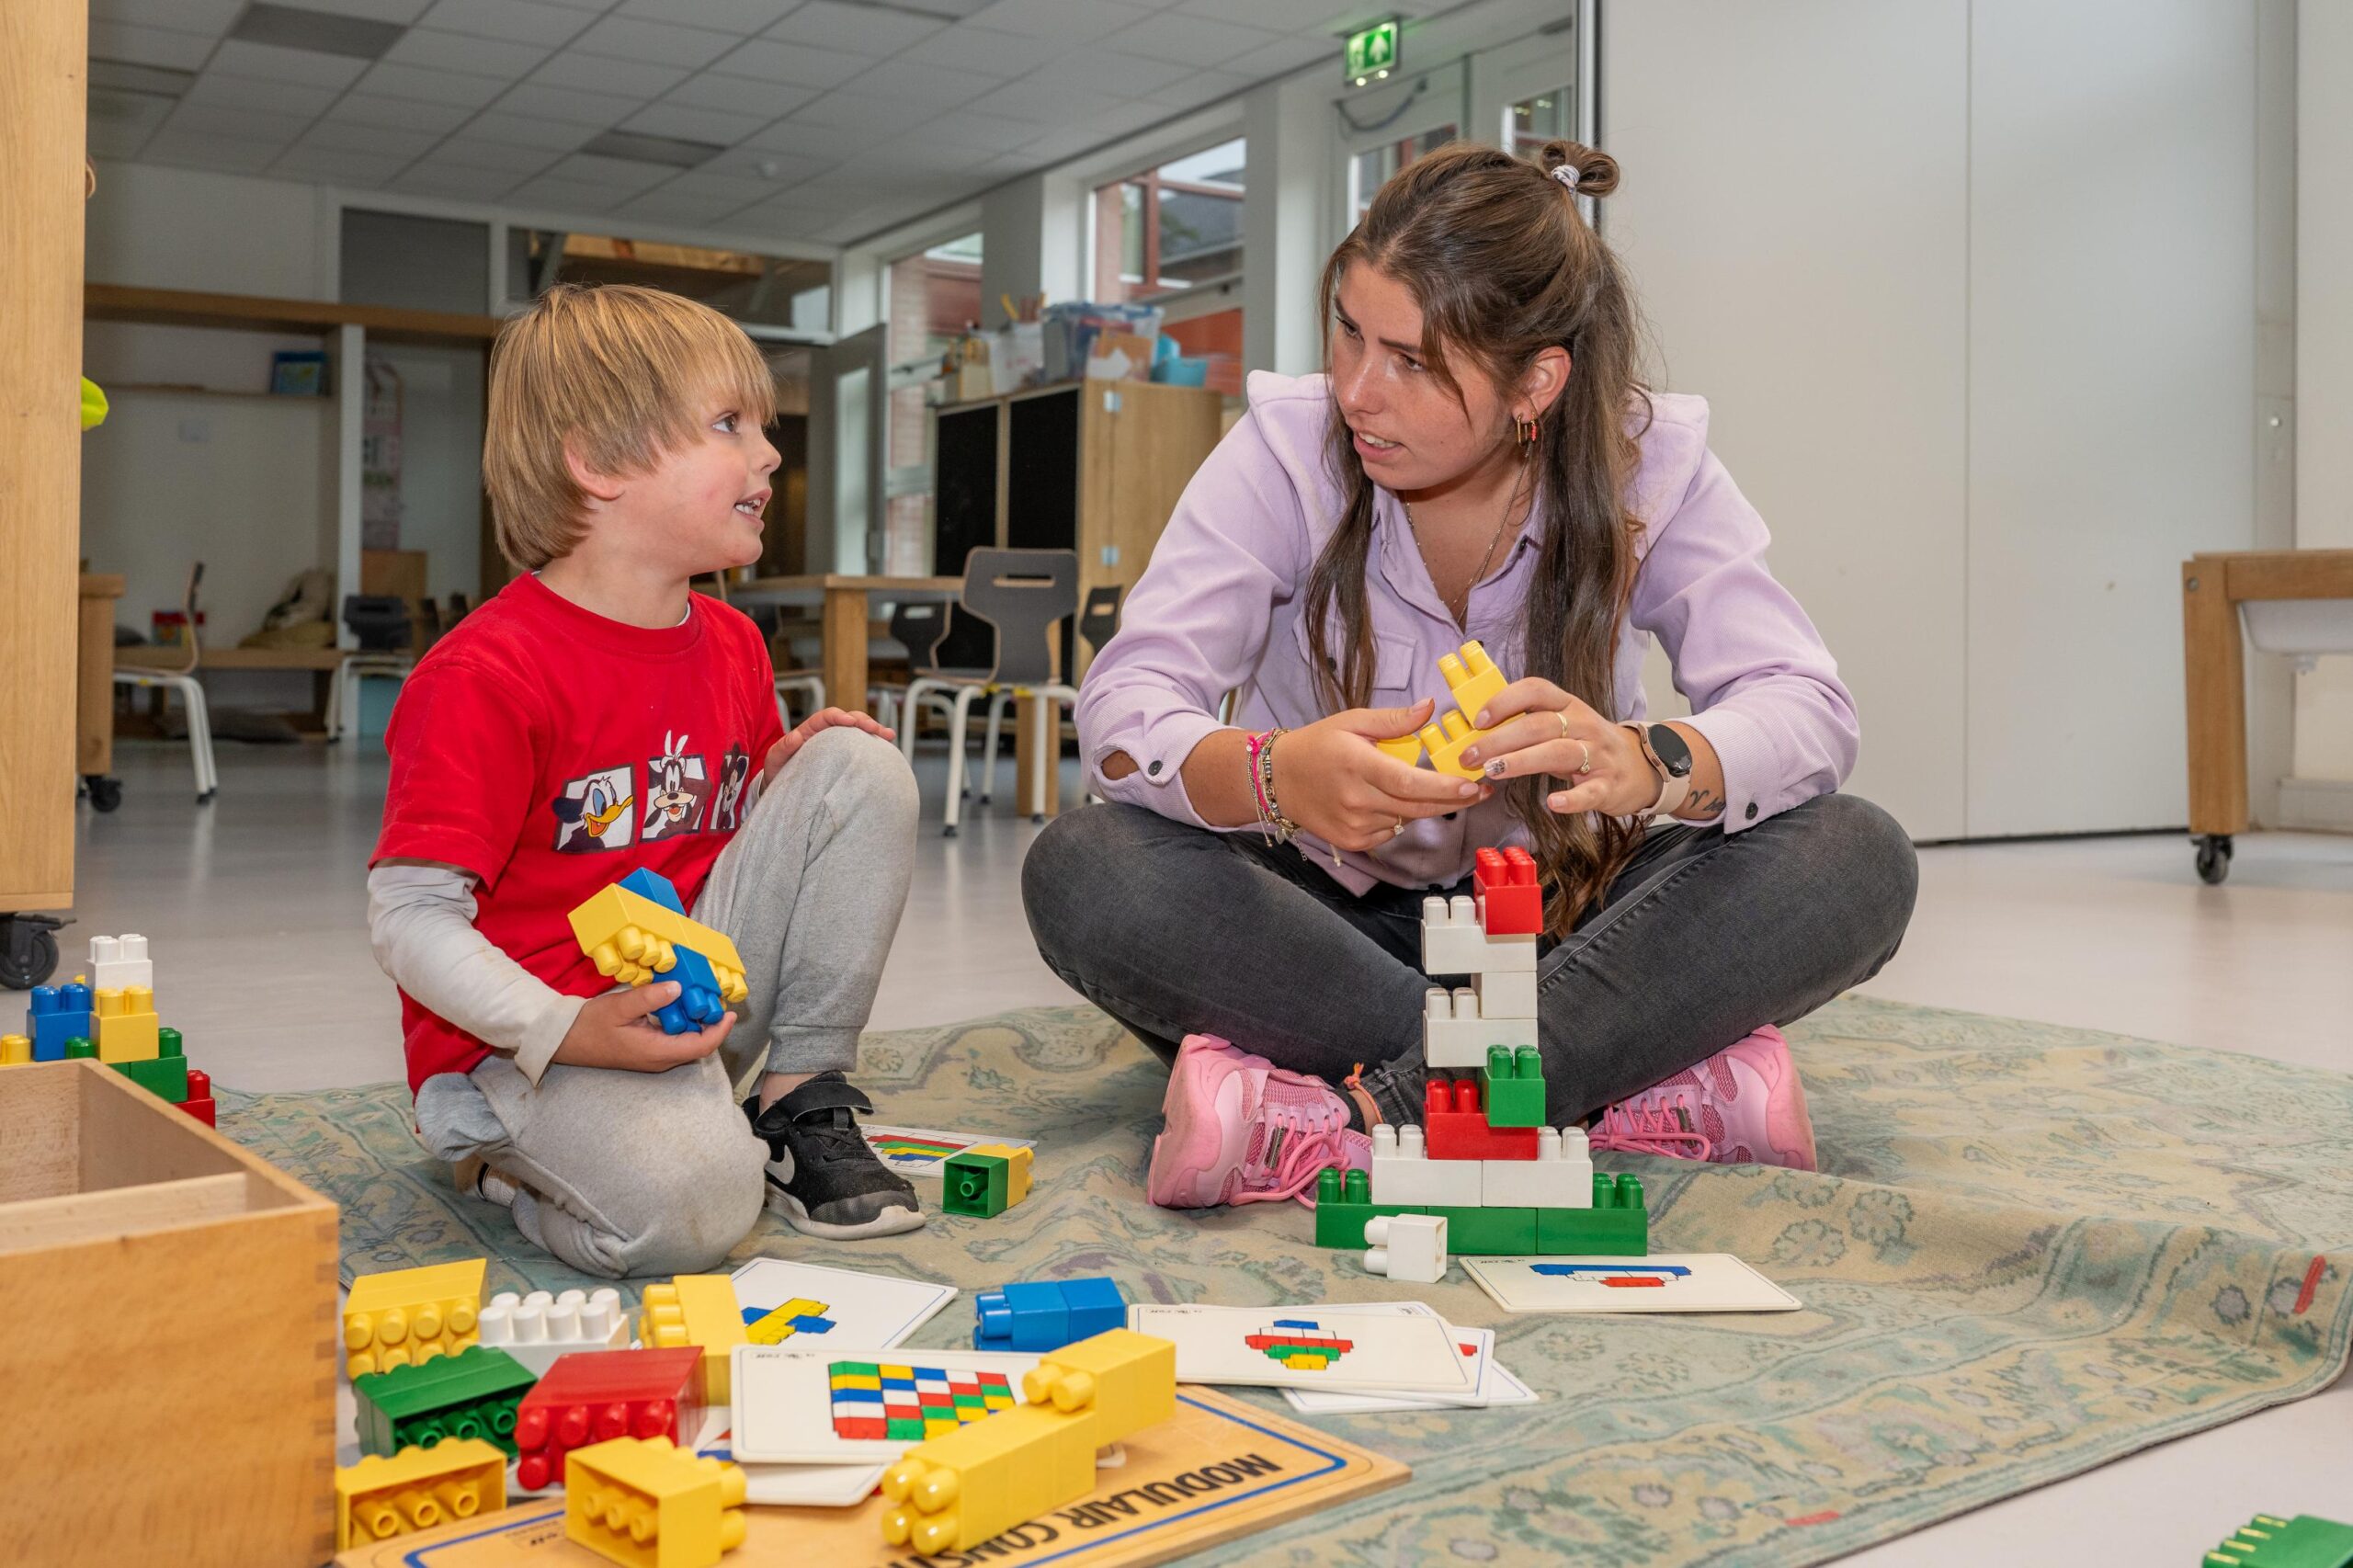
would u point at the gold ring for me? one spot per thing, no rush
(1399, 831)
(1562, 715)
(1586, 765)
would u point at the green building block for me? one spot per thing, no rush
(471, 1394)
(1342, 1207)
(77, 1046)
(1512, 1085)
(1616, 1226)
(1489, 1232)
(165, 1075)
(975, 1185)
(2305, 1541)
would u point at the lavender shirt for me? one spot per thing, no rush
(1219, 609)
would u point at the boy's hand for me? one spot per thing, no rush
(618, 1029)
(824, 719)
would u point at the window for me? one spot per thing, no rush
(933, 298)
(1172, 236)
(759, 291)
(1370, 168)
(1532, 123)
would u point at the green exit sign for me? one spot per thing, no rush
(1372, 54)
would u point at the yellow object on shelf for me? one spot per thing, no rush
(93, 404)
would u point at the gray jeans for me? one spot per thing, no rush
(1703, 937)
(658, 1173)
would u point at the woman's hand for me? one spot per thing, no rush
(618, 1029)
(824, 719)
(1540, 729)
(1331, 781)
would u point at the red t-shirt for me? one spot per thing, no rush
(550, 752)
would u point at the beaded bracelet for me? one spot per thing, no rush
(1279, 827)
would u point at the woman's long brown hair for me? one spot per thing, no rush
(1504, 266)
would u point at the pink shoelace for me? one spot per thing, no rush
(1308, 1144)
(1659, 1130)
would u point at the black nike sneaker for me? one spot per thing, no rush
(823, 1177)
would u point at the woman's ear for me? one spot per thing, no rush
(597, 484)
(1546, 379)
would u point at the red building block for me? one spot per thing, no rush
(1454, 1126)
(198, 1103)
(1511, 903)
(593, 1396)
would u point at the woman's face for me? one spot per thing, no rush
(1410, 432)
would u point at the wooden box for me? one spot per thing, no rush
(169, 1352)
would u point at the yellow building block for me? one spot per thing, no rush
(125, 1022)
(411, 1316)
(951, 1492)
(630, 937)
(1472, 679)
(1406, 749)
(1017, 1167)
(1444, 742)
(699, 1310)
(643, 1503)
(14, 1048)
(416, 1489)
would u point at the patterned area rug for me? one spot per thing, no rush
(2035, 1250)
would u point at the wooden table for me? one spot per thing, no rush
(321, 664)
(2213, 588)
(93, 678)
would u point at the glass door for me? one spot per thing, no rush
(848, 417)
(1383, 130)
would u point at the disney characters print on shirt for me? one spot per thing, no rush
(593, 812)
(727, 808)
(676, 785)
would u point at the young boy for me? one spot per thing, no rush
(597, 717)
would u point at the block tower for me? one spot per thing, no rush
(1482, 1157)
(109, 1012)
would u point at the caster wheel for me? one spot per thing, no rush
(105, 793)
(949, 832)
(2214, 857)
(28, 951)
(985, 799)
(206, 798)
(1039, 819)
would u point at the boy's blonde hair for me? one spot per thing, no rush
(622, 374)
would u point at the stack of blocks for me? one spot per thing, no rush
(636, 932)
(411, 1316)
(1482, 1158)
(986, 1181)
(110, 1014)
(699, 1310)
(593, 1396)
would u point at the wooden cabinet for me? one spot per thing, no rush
(1091, 466)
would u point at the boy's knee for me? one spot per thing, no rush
(867, 766)
(688, 1206)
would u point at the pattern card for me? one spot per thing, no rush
(809, 1308)
(1671, 1282)
(1476, 1346)
(802, 1406)
(923, 1151)
(1344, 1348)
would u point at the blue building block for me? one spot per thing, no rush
(697, 1005)
(1047, 1314)
(57, 1013)
(654, 885)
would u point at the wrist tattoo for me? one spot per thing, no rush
(1703, 806)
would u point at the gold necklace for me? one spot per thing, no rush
(1462, 617)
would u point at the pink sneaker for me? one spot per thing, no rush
(1242, 1131)
(1742, 1106)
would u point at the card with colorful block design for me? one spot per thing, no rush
(801, 1406)
(1340, 1348)
(924, 1151)
(806, 1307)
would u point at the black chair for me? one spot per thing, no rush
(1098, 620)
(1023, 594)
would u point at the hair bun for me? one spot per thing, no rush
(1597, 170)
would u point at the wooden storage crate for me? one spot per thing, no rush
(169, 1348)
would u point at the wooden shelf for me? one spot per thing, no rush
(180, 307)
(166, 389)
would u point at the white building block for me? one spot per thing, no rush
(120, 961)
(1406, 1246)
(1453, 942)
(1560, 1177)
(537, 1328)
(1505, 996)
(1405, 1175)
(1456, 1035)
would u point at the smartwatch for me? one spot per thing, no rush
(1670, 758)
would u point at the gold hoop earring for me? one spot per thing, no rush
(1524, 431)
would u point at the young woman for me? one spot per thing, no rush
(1481, 461)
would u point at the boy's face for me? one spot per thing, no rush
(699, 509)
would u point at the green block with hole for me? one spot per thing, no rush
(471, 1394)
(1512, 1086)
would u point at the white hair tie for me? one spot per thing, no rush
(1567, 174)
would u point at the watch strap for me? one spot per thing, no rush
(1673, 787)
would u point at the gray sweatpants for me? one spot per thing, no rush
(658, 1173)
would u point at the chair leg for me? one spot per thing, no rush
(200, 738)
(988, 745)
(957, 732)
(917, 690)
(1049, 701)
(334, 702)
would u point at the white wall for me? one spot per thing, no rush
(160, 228)
(2324, 352)
(1970, 285)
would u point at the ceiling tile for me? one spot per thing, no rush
(430, 178)
(267, 63)
(990, 132)
(147, 46)
(1069, 21)
(268, 97)
(1122, 118)
(472, 152)
(563, 196)
(1190, 41)
(374, 10)
(967, 48)
(728, 15)
(118, 138)
(1204, 87)
(564, 106)
(705, 182)
(859, 29)
(343, 136)
(772, 168)
(694, 124)
(738, 94)
(1320, 16)
(211, 18)
(517, 21)
(440, 51)
(336, 167)
(1284, 56)
(234, 154)
(623, 177)
(795, 65)
(661, 43)
(601, 74)
(1105, 70)
(855, 111)
(800, 139)
(1047, 99)
(430, 86)
(1068, 141)
(921, 91)
(663, 205)
(214, 120)
(400, 114)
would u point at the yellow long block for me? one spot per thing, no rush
(409, 1315)
(418, 1489)
(1472, 679)
(643, 1503)
(614, 923)
(699, 1310)
(126, 1023)
(1446, 741)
